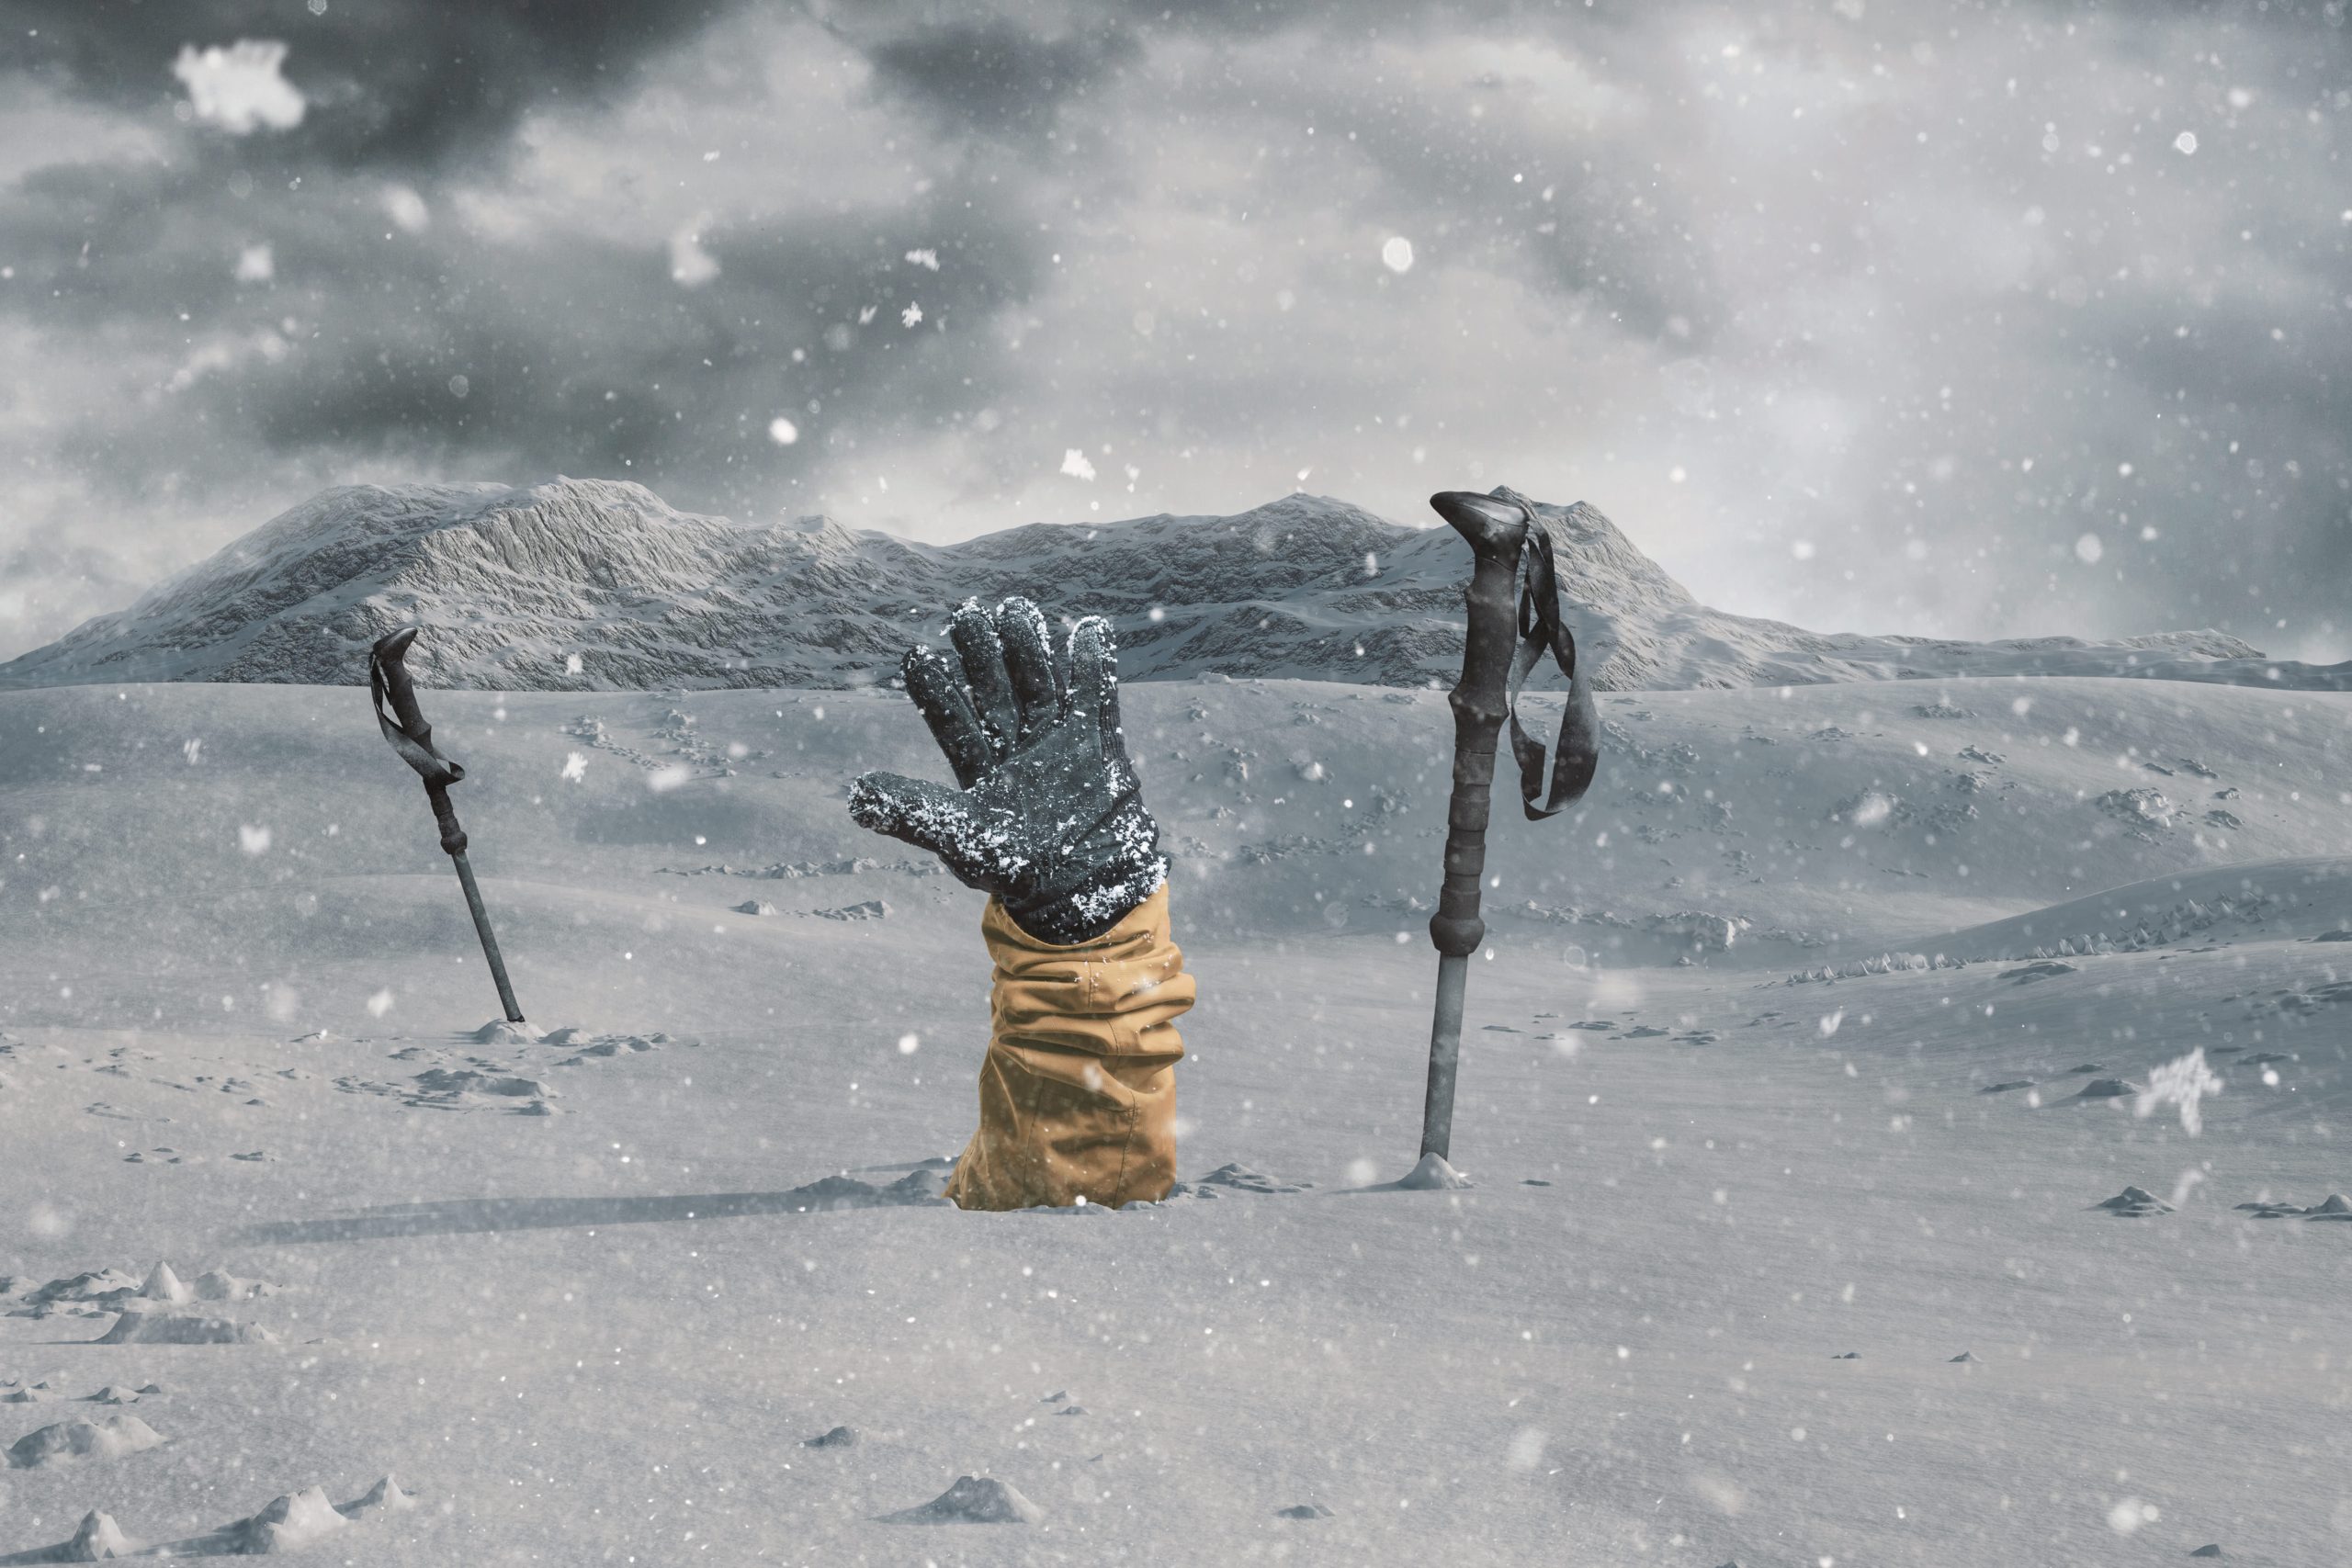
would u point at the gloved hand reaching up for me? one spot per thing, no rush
(1048, 816)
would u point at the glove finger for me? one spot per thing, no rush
(939, 695)
(982, 651)
(928, 816)
(1029, 661)
(1094, 680)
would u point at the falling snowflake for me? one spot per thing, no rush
(866, 314)
(253, 840)
(924, 258)
(1397, 254)
(575, 766)
(691, 267)
(1075, 465)
(380, 1003)
(911, 315)
(407, 210)
(2182, 1083)
(783, 432)
(241, 87)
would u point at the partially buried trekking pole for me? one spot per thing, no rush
(1514, 551)
(404, 726)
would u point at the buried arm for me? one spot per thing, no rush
(1077, 1092)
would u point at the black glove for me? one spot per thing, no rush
(1049, 817)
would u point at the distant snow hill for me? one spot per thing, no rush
(596, 584)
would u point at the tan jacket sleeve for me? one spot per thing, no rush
(1078, 1095)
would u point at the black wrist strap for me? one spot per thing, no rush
(1544, 627)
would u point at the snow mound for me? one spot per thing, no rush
(2143, 811)
(1303, 1511)
(608, 1045)
(870, 909)
(2106, 1088)
(596, 584)
(109, 1436)
(99, 1540)
(1702, 931)
(753, 907)
(1239, 1178)
(444, 1085)
(384, 1497)
(506, 1031)
(2335, 1206)
(917, 1186)
(973, 1500)
(289, 1523)
(839, 1438)
(2134, 1203)
(1433, 1175)
(219, 1285)
(182, 1328)
(162, 1285)
(98, 1285)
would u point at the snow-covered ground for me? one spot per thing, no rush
(1783, 1247)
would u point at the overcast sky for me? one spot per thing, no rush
(1975, 319)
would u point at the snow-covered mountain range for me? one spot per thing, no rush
(597, 584)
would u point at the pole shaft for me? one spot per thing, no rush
(489, 942)
(1479, 700)
(1445, 1056)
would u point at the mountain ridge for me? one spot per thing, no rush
(598, 584)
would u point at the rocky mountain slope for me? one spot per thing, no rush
(596, 584)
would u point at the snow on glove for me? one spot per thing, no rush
(1049, 814)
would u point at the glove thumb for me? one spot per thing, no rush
(928, 816)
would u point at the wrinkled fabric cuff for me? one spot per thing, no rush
(1076, 1094)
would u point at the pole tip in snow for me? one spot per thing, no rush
(1433, 1175)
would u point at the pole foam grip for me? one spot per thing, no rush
(453, 837)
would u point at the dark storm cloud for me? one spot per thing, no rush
(996, 76)
(394, 81)
(601, 371)
(574, 353)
